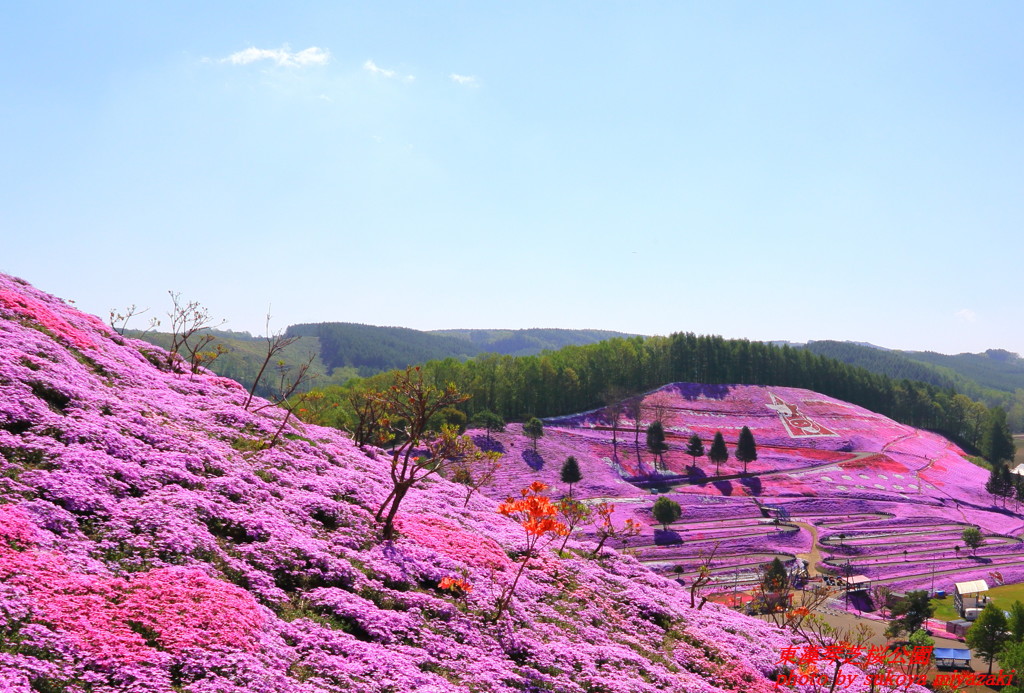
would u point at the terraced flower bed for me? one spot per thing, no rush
(885, 486)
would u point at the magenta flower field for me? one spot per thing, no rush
(148, 544)
(831, 467)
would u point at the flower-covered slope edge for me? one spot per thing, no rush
(150, 542)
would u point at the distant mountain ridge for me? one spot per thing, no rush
(528, 342)
(347, 350)
(371, 349)
(995, 377)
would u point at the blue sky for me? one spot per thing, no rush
(763, 170)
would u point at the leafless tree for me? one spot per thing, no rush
(475, 470)
(702, 578)
(119, 321)
(658, 406)
(635, 410)
(288, 385)
(276, 344)
(614, 406)
(190, 325)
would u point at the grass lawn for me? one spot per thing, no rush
(1007, 594)
(944, 609)
(1003, 597)
(1018, 440)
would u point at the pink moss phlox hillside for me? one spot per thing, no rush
(16, 529)
(449, 539)
(39, 313)
(186, 609)
(150, 542)
(182, 607)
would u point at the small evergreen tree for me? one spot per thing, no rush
(695, 448)
(571, 472)
(775, 577)
(973, 538)
(911, 612)
(534, 429)
(775, 588)
(719, 454)
(1006, 485)
(746, 448)
(656, 440)
(996, 440)
(993, 483)
(666, 511)
(989, 633)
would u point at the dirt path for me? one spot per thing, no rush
(814, 556)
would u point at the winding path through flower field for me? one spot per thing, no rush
(813, 557)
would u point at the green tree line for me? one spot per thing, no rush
(579, 378)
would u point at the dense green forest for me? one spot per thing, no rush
(995, 377)
(528, 342)
(346, 350)
(578, 378)
(996, 369)
(369, 349)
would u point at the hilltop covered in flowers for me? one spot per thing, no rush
(151, 541)
(860, 491)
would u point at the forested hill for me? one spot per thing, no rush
(528, 342)
(996, 369)
(370, 349)
(581, 378)
(995, 377)
(895, 364)
(343, 351)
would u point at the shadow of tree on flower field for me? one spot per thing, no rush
(534, 459)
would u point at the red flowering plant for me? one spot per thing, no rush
(456, 586)
(605, 528)
(538, 517)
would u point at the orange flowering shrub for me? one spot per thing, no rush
(536, 513)
(538, 516)
(456, 585)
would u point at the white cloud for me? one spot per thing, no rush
(371, 66)
(464, 80)
(376, 69)
(282, 56)
(966, 314)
